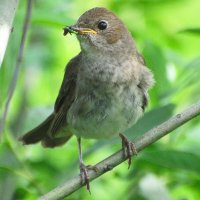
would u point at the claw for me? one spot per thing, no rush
(128, 148)
(91, 167)
(85, 179)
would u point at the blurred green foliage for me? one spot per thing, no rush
(167, 34)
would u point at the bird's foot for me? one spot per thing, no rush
(128, 148)
(85, 179)
(84, 174)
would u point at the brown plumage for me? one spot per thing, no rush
(104, 90)
(55, 124)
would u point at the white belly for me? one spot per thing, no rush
(95, 115)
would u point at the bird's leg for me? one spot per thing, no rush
(83, 169)
(128, 148)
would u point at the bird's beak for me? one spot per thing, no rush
(78, 30)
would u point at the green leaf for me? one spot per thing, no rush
(173, 159)
(156, 61)
(191, 77)
(150, 120)
(194, 31)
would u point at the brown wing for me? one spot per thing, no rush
(46, 132)
(65, 97)
(141, 58)
(146, 80)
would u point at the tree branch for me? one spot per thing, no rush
(112, 161)
(7, 10)
(17, 66)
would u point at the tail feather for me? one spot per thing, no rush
(48, 142)
(38, 133)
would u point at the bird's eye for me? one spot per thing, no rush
(102, 25)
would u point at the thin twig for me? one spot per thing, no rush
(109, 163)
(12, 85)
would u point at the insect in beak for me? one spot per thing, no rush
(77, 30)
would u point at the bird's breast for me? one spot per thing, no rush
(102, 110)
(108, 69)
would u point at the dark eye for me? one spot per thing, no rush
(102, 25)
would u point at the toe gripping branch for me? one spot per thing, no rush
(128, 148)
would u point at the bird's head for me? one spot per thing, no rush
(100, 29)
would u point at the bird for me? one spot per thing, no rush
(104, 90)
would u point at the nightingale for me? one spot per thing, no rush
(104, 89)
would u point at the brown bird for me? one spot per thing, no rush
(104, 89)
